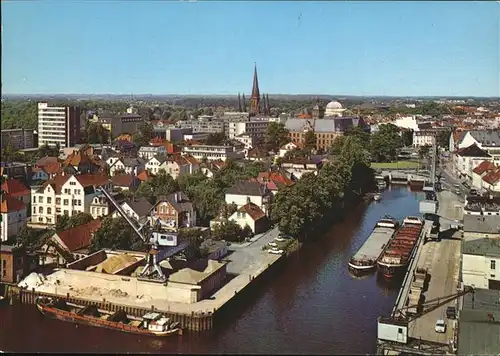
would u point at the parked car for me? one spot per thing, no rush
(440, 326)
(276, 251)
(451, 313)
(273, 244)
(281, 237)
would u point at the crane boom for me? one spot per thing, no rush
(151, 266)
(432, 304)
(123, 214)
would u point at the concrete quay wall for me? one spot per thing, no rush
(194, 316)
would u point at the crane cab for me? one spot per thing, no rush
(164, 238)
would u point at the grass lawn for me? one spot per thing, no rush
(397, 165)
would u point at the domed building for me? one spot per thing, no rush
(334, 108)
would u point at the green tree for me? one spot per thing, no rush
(276, 136)
(298, 208)
(95, 133)
(310, 139)
(160, 185)
(144, 134)
(46, 150)
(30, 238)
(337, 145)
(229, 230)
(218, 138)
(357, 132)
(385, 143)
(407, 137)
(423, 151)
(10, 154)
(443, 139)
(116, 233)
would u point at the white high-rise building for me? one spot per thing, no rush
(58, 125)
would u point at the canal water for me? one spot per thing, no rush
(310, 305)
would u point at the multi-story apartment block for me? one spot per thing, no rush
(210, 152)
(18, 138)
(253, 128)
(58, 125)
(424, 138)
(210, 126)
(65, 194)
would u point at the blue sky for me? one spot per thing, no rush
(158, 47)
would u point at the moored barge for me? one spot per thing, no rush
(151, 324)
(396, 256)
(366, 257)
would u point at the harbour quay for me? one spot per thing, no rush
(431, 285)
(82, 287)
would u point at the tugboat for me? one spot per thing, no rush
(151, 324)
(396, 255)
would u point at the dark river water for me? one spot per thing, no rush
(310, 305)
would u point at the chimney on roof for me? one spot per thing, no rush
(176, 198)
(248, 200)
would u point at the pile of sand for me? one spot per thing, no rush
(34, 280)
(115, 263)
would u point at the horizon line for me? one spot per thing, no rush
(236, 95)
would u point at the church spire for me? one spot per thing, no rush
(239, 102)
(244, 103)
(255, 99)
(268, 105)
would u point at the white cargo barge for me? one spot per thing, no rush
(366, 257)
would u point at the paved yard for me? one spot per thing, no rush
(242, 257)
(442, 259)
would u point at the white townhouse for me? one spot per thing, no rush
(65, 194)
(148, 152)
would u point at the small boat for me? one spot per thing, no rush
(151, 324)
(3, 300)
(377, 197)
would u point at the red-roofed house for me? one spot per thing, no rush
(491, 181)
(250, 214)
(169, 146)
(480, 171)
(468, 158)
(125, 181)
(273, 180)
(67, 246)
(14, 216)
(144, 176)
(17, 189)
(65, 194)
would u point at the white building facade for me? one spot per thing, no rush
(58, 125)
(210, 152)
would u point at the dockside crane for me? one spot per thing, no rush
(402, 314)
(393, 331)
(152, 270)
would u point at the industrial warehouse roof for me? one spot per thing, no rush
(488, 224)
(483, 246)
(478, 333)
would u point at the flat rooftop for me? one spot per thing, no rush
(478, 334)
